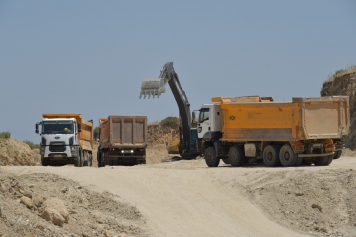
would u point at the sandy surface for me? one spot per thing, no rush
(185, 198)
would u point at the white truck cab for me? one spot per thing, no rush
(59, 139)
(210, 120)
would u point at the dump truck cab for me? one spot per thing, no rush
(61, 141)
(209, 121)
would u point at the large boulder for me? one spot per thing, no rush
(54, 210)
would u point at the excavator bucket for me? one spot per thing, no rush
(152, 87)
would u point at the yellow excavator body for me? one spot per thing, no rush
(173, 148)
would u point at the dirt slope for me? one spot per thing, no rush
(91, 213)
(186, 198)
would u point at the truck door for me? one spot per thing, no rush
(203, 122)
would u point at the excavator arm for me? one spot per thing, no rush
(154, 87)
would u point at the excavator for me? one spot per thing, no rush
(187, 145)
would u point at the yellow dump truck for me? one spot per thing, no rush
(122, 140)
(65, 139)
(245, 129)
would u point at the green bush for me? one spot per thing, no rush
(96, 133)
(5, 135)
(172, 122)
(32, 145)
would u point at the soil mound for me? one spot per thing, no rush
(13, 152)
(23, 199)
(318, 202)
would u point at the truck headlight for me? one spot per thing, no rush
(72, 149)
(42, 151)
(131, 151)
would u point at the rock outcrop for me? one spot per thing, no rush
(344, 84)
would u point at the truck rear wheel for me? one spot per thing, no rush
(90, 161)
(236, 156)
(271, 156)
(321, 161)
(287, 156)
(210, 157)
(337, 154)
(226, 161)
(329, 160)
(98, 158)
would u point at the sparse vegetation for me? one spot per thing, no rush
(171, 122)
(96, 133)
(32, 145)
(5, 135)
(342, 72)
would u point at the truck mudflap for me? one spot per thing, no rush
(316, 155)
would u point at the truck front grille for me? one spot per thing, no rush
(57, 147)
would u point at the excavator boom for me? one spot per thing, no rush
(154, 87)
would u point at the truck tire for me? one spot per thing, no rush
(271, 156)
(236, 156)
(79, 161)
(85, 158)
(210, 157)
(99, 157)
(337, 154)
(90, 161)
(226, 161)
(321, 161)
(299, 161)
(287, 156)
(329, 160)
(44, 162)
(307, 162)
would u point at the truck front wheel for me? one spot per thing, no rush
(210, 157)
(79, 161)
(44, 162)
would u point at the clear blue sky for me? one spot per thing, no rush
(90, 57)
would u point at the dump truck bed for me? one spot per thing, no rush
(123, 132)
(85, 137)
(255, 118)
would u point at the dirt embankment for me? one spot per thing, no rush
(13, 152)
(344, 84)
(90, 213)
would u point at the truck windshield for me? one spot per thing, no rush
(203, 115)
(57, 127)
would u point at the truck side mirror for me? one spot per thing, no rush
(193, 116)
(37, 128)
(79, 127)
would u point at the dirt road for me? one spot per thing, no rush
(186, 198)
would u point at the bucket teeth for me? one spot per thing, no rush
(152, 87)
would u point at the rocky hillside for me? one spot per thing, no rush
(343, 82)
(165, 131)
